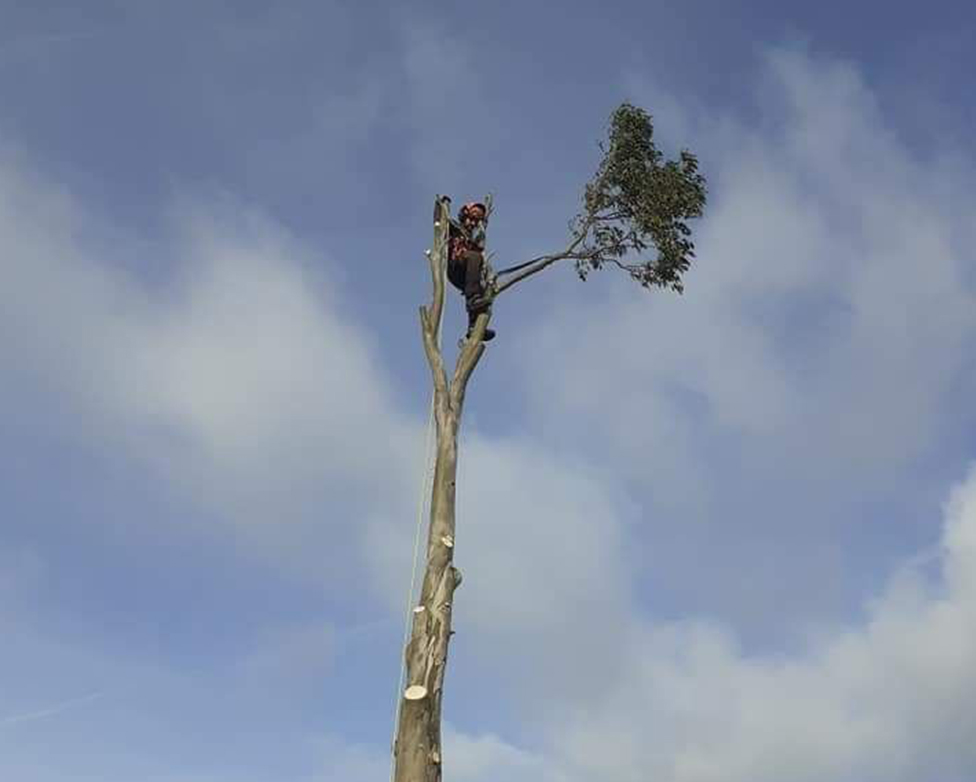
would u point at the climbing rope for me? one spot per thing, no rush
(422, 508)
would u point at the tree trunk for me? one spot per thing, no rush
(417, 752)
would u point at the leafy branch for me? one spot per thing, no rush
(637, 201)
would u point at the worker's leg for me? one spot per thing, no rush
(474, 293)
(456, 270)
(472, 274)
(472, 317)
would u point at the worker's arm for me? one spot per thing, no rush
(477, 237)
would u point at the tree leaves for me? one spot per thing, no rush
(637, 201)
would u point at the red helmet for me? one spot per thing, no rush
(471, 207)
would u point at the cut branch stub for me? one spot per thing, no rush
(416, 692)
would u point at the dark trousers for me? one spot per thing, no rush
(471, 265)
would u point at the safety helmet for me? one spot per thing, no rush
(470, 207)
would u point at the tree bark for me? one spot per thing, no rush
(417, 751)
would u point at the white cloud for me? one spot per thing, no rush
(829, 322)
(265, 399)
(454, 121)
(486, 757)
(542, 548)
(892, 699)
(820, 357)
(351, 763)
(829, 306)
(238, 376)
(467, 758)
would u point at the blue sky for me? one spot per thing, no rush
(749, 511)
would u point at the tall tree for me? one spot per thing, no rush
(637, 201)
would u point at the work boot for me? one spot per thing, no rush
(472, 317)
(488, 335)
(478, 302)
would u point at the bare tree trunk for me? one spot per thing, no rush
(417, 752)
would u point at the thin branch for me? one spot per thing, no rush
(437, 256)
(433, 352)
(467, 360)
(545, 261)
(430, 319)
(630, 268)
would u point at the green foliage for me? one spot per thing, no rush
(636, 201)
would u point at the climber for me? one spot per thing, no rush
(466, 267)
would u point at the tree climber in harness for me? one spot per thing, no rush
(467, 268)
